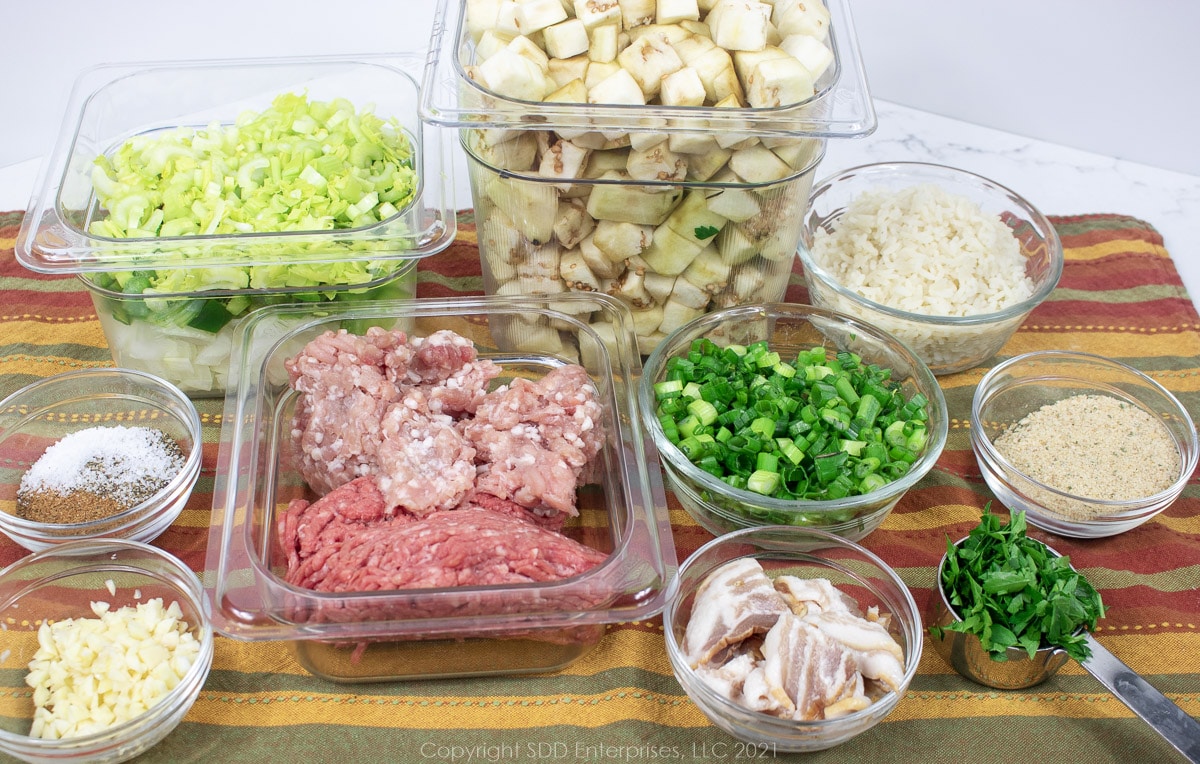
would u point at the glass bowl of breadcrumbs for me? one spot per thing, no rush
(1086, 446)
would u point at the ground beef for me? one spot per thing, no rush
(310, 531)
(465, 547)
(536, 438)
(543, 517)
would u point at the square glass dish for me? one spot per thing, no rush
(840, 104)
(472, 630)
(113, 104)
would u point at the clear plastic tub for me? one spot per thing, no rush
(677, 207)
(169, 304)
(113, 103)
(672, 250)
(840, 106)
(423, 633)
(187, 337)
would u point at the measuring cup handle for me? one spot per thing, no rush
(1156, 709)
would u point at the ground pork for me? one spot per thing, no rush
(349, 384)
(535, 438)
(423, 462)
(446, 366)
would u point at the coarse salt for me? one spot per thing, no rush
(121, 457)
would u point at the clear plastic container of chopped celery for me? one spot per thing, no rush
(68, 228)
(187, 194)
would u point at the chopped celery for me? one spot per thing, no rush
(297, 165)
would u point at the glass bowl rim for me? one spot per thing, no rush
(1189, 448)
(742, 716)
(188, 584)
(953, 174)
(138, 513)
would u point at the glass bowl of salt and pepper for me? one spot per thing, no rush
(96, 453)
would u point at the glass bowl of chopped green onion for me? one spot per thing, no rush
(1086, 446)
(96, 453)
(113, 608)
(782, 414)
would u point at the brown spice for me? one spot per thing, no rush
(75, 507)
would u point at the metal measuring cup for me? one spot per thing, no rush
(965, 654)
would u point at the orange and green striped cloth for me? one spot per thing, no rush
(1120, 296)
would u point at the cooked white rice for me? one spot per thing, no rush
(925, 251)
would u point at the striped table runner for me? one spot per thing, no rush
(1120, 296)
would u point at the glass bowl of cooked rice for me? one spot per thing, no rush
(1086, 446)
(947, 261)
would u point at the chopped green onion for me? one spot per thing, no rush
(820, 427)
(668, 387)
(763, 482)
(703, 410)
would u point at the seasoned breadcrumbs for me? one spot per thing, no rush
(1093, 446)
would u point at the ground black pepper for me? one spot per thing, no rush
(96, 473)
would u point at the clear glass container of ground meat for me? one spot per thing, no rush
(438, 607)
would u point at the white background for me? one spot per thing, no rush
(1113, 77)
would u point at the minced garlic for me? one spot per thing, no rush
(89, 674)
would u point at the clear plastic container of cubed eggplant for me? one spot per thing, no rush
(677, 208)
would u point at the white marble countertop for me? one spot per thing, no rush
(1057, 179)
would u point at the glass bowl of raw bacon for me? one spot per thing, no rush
(791, 638)
(412, 489)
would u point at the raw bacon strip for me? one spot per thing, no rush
(733, 603)
(820, 658)
(806, 671)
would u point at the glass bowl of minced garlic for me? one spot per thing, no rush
(95, 453)
(107, 646)
(1086, 446)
